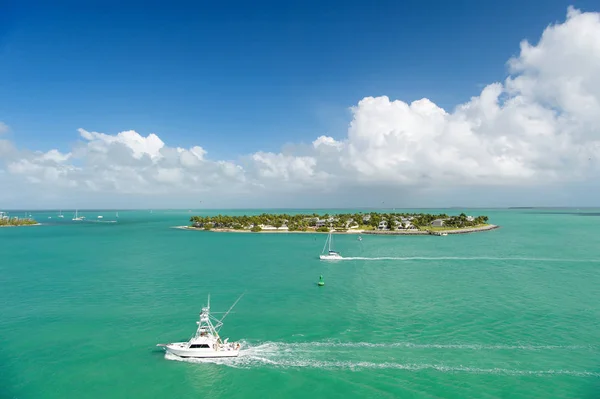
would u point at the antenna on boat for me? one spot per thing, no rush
(220, 322)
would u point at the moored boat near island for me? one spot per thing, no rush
(78, 218)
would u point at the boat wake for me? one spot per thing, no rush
(334, 344)
(319, 354)
(472, 258)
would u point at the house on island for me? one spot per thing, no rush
(351, 224)
(437, 223)
(382, 225)
(404, 224)
(470, 219)
(320, 223)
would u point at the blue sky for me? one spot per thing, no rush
(266, 88)
(244, 76)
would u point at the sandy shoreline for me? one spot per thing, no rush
(21, 225)
(424, 232)
(370, 232)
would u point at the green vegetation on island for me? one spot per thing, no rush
(6, 221)
(344, 222)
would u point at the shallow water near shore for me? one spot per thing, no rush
(511, 312)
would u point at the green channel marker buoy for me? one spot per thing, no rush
(321, 282)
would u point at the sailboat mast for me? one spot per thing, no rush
(325, 246)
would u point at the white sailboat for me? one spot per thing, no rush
(331, 254)
(77, 217)
(60, 215)
(206, 342)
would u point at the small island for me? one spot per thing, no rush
(7, 221)
(363, 223)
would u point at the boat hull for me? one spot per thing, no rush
(330, 257)
(180, 350)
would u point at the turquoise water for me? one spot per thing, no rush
(511, 313)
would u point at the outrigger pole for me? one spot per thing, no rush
(220, 322)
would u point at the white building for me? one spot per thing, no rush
(321, 223)
(437, 223)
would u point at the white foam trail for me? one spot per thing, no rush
(473, 258)
(297, 355)
(247, 360)
(527, 347)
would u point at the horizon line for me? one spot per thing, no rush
(293, 208)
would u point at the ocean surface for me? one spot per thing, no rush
(509, 313)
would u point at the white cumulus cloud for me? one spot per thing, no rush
(540, 127)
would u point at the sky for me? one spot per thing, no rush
(299, 104)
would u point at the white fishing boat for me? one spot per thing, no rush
(77, 217)
(330, 254)
(206, 342)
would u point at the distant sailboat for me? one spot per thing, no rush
(60, 215)
(77, 217)
(117, 215)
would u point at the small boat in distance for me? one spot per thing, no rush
(77, 217)
(359, 238)
(60, 215)
(206, 342)
(331, 254)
